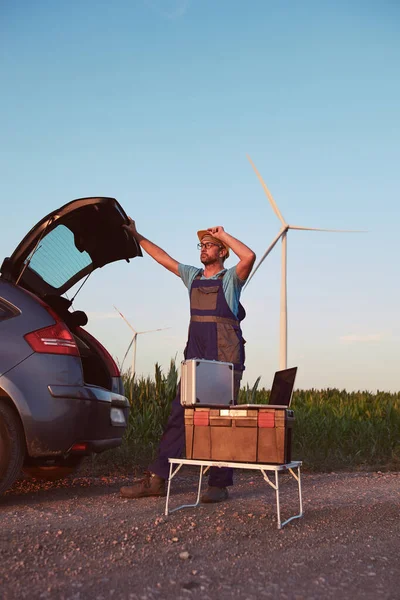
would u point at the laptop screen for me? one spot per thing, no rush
(282, 387)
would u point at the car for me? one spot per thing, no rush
(61, 392)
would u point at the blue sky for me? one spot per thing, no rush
(157, 102)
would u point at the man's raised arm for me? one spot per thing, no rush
(153, 250)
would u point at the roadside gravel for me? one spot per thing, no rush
(77, 539)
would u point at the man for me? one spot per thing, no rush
(214, 334)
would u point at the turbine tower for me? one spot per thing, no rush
(133, 341)
(282, 234)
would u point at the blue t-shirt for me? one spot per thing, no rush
(231, 284)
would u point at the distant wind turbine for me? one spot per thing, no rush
(283, 234)
(133, 341)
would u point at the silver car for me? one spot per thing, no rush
(61, 393)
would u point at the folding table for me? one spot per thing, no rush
(177, 463)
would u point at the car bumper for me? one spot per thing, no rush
(62, 413)
(97, 446)
(95, 418)
(88, 392)
(109, 406)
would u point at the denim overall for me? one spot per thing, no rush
(214, 334)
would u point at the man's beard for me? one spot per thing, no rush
(207, 260)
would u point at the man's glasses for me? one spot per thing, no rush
(207, 245)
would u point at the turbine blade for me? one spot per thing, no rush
(271, 247)
(268, 193)
(329, 230)
(151, 330)
(126, 320)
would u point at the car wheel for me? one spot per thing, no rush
(52, 472)
(12, 446)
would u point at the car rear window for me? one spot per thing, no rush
(57, 259)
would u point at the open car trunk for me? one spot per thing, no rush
(95, 361)
(64, 248)
(99, 368)
(69, 244)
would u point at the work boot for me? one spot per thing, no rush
(214, 494)
(150, 485)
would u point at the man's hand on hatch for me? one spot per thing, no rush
(131, 228)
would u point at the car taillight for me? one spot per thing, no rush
(106, 356)
(54, 339)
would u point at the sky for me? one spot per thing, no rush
(157, 103)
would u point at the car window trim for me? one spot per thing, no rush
(12, 310)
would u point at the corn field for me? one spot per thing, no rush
(333, 429)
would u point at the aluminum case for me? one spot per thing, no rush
(205, 382)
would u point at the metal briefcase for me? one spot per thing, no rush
(206, 382)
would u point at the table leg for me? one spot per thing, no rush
(278, 506)
(297, 477)
(172, 474)
(168, 488)
(203, 469)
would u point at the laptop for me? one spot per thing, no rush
(280, 396)
(282, 387)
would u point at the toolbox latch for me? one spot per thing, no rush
(266, 419)
(201, 418)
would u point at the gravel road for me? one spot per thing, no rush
(77, 539)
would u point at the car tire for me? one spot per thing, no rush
(12, 446)
(59, 470)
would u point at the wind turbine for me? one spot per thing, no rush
(282, 234)
(133, 341)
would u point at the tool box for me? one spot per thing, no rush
(206, 382)
(253, 433)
